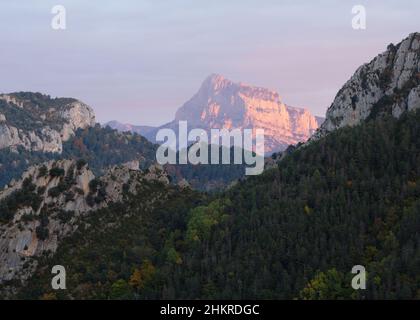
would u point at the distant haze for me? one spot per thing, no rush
(138, 61)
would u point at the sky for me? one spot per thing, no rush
(137, 61)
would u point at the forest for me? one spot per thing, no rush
(293, 232)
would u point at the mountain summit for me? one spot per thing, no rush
(37, 122)
(222, 103)
(389, 84)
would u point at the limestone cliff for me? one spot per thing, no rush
(389, 84)
(221, 103)
(37, 122)
(46, 205)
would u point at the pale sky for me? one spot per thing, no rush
(137, 61)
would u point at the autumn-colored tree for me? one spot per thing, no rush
(48, 296)
(331, 284)
(140, 277)
(136, 279)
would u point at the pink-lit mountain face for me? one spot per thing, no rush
(221, 103)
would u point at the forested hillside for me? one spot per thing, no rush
(296, 231)
(35, 128)
(100, 147)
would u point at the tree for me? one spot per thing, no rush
(136, 280)
(120, 290)
(329, 285)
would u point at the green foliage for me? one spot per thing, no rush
(202, 219)
(13, 164)
(43, 171)
(42, 231)
(81, 163)
(99, 147)
(120, 290)
(104, 147)
(24, 197)
(57, 172)
(332, 285)
(28, 117)
(294, 231)
(123, 254)
(208, 177)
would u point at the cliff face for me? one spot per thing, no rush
(389, 84)
(38, 123)
(47, 203)
(221, 103)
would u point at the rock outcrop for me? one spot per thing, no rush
(221, 103)
(38, 123)
(389, 84)
(43, 207)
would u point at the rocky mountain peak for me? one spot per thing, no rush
(222, 103)
(389, 84)
(38, 122)
(215, 82)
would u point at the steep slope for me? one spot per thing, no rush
(47, 204)
(221, 103)
(296, 231)
(35, 128)
(351, 197)
(38, 117)
(100, 147)
(38, 123)
(389, 84)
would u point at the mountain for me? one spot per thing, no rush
(389, 84)
(221, 103)
(35, 128)
(124, 127)
(350, 197)
(295, 231)
(47, 204)
(38, 123)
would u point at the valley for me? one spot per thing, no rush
(339, 194)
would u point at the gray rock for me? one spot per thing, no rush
(391, 79)
(45, 130)
(19, 243)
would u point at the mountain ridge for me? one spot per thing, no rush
(388, 84)
(37, 122)
(221, 103)
(351, 197)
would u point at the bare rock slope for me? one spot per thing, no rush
(38, 123)
(221, 103)
(39, 210)
(389, 84)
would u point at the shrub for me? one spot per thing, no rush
(56, 172)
